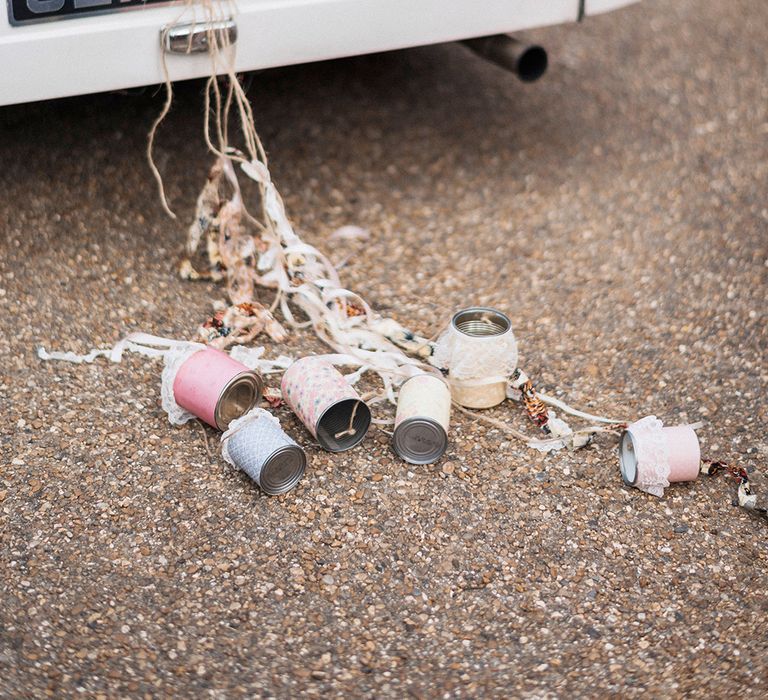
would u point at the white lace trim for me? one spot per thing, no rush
(173, 360)
(652, 454)
(482, 358)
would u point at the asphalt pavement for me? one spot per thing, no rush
(617, 210)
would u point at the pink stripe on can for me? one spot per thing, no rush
(216, 388)
(684, 453)
(325, 403)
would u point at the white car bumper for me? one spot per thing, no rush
(122, 49)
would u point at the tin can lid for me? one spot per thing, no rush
(628, 459)
(343, 425)
(420, 440)
(239, 396)
(282, 470)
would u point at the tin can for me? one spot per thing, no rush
(647, 451)
(216, 388)
(327, 405)
(258, 446)
(422, 419)
(482, 336)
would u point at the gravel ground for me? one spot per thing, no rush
(616, 210)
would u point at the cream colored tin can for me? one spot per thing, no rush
(422, 419)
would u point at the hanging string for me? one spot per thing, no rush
(351, 429)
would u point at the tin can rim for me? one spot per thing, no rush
(479, 309)
(295, 476)
(628, 458)
(398, 440)
(357, 437)
(258, 384)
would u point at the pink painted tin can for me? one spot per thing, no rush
(327, 405)
(216, 388)
(422, 418)
(651, 456)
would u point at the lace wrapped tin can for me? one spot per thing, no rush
(480, 352)
(422, 419)
(327, 405)
(216, 388)
(651, 456)
(257, 445)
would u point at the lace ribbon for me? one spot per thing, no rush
(652, 455)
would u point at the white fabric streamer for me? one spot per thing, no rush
(340, 317)
(253, 358)
(552, 401)
(141, 343)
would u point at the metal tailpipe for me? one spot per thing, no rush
(527, 61)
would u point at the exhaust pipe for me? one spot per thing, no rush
(527, 61)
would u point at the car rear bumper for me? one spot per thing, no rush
(122, 49)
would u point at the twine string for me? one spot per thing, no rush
(351, 429)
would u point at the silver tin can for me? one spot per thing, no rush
(258, 446)
(238, 397)
(327, 405)
(422, 419)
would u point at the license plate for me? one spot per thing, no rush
(26, 11)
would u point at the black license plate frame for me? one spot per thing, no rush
(24, 12)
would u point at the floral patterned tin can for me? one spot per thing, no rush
(328, 406)
(422, 419)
